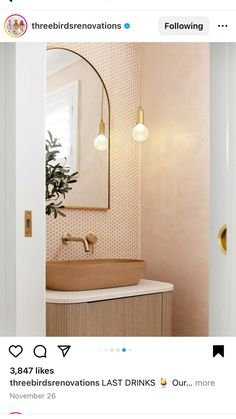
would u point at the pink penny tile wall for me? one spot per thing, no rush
(118, 229)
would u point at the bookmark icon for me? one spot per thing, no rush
(64, 349)
(218, 350)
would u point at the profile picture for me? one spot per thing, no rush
(15, 25)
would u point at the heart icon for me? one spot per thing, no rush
(15, 350)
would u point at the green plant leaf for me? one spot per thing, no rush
(58, 178)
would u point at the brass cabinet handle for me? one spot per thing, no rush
(222, 239)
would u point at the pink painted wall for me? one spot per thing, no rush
(174, 177)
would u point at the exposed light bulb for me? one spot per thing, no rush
(140, 132)
(101, 142)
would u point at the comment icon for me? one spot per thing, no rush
(40, 351)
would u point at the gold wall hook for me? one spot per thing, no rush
(222, 239)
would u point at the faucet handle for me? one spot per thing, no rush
(91, 239)
(65, 238)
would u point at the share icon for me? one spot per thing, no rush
(64, 349)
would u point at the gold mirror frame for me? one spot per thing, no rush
(109, 129)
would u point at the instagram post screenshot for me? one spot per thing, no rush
(118, 209)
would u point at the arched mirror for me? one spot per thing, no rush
(78, 115)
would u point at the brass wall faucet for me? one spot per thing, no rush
(88, 241)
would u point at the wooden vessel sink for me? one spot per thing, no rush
(79, 275)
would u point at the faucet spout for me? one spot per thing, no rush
(68, 238)
(86, 245)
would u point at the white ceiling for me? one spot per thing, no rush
(58, 59)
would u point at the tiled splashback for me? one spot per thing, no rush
(117, 229)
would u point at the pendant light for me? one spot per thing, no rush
(140, 132)
(101, 141)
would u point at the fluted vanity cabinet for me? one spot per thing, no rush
(141, 310)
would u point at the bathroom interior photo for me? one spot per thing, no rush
(116, 159)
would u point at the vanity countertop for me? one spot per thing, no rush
(144, 287)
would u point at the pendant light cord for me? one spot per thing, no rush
(102, 104)
(140, 85)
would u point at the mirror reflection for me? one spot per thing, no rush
(77, 113)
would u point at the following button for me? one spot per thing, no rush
(184, 25)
